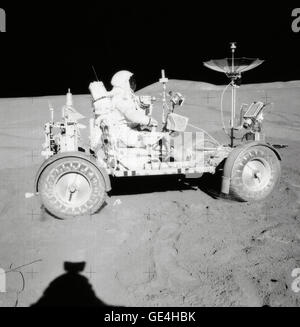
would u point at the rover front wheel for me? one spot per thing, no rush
(255, 174)
(71, 187)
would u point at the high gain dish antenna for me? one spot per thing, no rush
(233, 68)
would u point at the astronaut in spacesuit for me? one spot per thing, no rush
(128, 114)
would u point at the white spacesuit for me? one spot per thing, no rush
(127, 113)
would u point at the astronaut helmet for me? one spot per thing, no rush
(125, 80)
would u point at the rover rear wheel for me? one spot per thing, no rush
(255, 174)
(71, 187)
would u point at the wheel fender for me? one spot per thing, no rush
(233, 156)
(74, 155)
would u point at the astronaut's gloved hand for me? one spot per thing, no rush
(152, 122)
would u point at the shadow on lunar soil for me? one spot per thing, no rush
(208, 183)
(151, 184)
(70, 290)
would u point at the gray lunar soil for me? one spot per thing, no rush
(158, 242)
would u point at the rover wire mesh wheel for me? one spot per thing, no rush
(255, 174)
(71, 187)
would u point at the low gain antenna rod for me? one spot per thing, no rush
(51, 111)
(233, 92)
(164, 80)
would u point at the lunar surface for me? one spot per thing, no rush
(158, 241)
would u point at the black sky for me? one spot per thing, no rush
(50, 47)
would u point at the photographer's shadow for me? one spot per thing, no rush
(70, 290)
